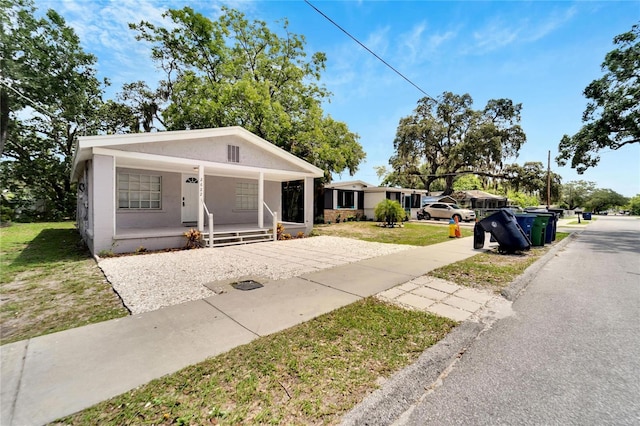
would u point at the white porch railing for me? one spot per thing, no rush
(275, 221)
(210, 216)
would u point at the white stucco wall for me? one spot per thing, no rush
(103, 209)
(220, 198)
(168, 215)
(214, 150)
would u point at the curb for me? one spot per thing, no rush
(400, 392)
(516, 287)
(398, 395)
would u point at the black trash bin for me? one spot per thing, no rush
(504, 227)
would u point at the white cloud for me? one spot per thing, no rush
(503, 31)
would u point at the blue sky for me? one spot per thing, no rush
(538, 53)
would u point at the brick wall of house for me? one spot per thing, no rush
(331, 215)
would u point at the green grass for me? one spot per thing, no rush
(492, 270)
(411, 233)
(309, 374)
(49, 282)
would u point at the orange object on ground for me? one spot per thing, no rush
(457, 231)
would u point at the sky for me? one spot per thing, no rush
(541, 54)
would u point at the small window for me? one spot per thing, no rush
(346, 199)
(137, 191)
(233, 154)
(246, 196)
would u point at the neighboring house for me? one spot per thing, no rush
(438, 199)
(479, 200)
(147, 189)
(359, 199)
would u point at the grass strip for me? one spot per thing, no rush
(411, 233)
(49, 282)
(309, 374)
(492, 270)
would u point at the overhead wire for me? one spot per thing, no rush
(369, 50)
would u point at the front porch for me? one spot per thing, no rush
(128, 240)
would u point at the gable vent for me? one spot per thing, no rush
(233, 154)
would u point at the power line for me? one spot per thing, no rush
(369, 50)
(34, 104)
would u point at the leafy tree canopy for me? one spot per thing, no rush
(604, 199)
(612, 116)
(634, 205)
(576, 193)
(47, 77)
(233, 72)
(445, 138)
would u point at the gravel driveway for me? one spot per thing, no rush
(151, 281)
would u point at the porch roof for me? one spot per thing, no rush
(110, 144)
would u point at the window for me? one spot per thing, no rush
(233, 154)
(246, 196)
(137, 191)
(346, 199)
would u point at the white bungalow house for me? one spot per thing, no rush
(147, 189)
(359, 199)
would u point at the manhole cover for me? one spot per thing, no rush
(246, 285)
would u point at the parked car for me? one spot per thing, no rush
(445, 211)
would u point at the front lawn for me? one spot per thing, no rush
(49, 282)
(411, 233)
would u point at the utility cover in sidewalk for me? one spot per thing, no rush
(247, 285)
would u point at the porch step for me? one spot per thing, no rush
(229, 238)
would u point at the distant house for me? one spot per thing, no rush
(358, 199)
(479, 200)
(438, 199)
(147, 189)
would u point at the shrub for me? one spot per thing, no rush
(194, 238)
(389, 212)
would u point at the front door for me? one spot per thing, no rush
(190, 198)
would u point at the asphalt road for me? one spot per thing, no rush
(569, 353)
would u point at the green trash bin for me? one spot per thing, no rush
(539, 230)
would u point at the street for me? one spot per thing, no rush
(569, 353)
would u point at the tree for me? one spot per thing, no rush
(576, 193)
(634, 205)
(604, 199)
(532, 179)
(446, 138)
(50, 80)
(232, 72)
(612, 116)
(467, 183)
(389, 212)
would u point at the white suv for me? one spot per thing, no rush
(445, 211)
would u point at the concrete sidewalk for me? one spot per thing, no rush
(52, 376)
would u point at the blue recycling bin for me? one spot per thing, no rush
(525, 220)
(504, 227)
(586, 216)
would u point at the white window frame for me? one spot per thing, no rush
(138, 191)
(246, 196)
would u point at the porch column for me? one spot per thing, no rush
(308, 204)
(200, 198)
(261, 200)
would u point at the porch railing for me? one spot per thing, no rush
(210, 216)
(275, 221)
